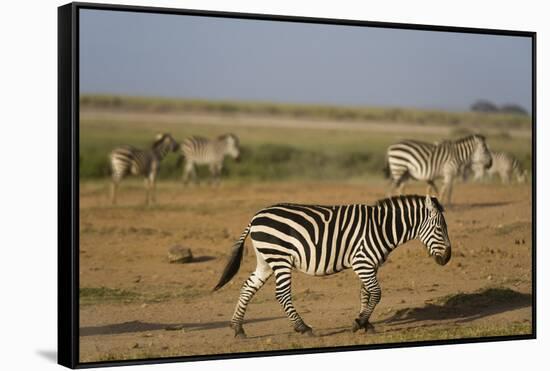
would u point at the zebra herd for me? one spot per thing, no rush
(322, 240)
(128, 160)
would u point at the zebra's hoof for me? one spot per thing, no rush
(239, 331)
(357, 325)
(240, 335)
(304, 330)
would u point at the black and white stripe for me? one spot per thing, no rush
(424, 161)
(504, 164)
(128, 160)
(202, 151)
(322, 240)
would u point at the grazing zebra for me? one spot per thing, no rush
(202, 151)
(426, 161)
(128, 160)
(504, 164)
(322, 240)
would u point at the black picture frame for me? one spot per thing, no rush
(68, 179)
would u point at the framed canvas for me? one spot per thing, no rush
(244, 185)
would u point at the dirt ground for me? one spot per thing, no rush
(135, 304)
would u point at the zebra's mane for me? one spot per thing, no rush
(229, 135)
(159, 140)
(470, 137)
(390, 201)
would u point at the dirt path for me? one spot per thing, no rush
(135, 304)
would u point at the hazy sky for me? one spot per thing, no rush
(214, 58)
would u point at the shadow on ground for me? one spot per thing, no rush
(461, 207)
(465, 307)
(138, 326)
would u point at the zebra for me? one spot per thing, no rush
(426, 161)
(202, 151)
(128, 160)
(504, 164)
(323, 240)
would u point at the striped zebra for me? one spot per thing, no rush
(504, 164)
(411, 159)
(202, 151)
(322, 240)
(128, 160)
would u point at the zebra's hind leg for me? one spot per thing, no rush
(249, 288)
(284, 296)
(370, 295)
(398, 183)
(114, 188)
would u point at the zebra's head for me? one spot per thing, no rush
(481, 154)
(232, 147)
(166, 143)
(433, 232)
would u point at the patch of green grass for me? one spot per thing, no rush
(458, 331)
(106, 295)
(96, 295)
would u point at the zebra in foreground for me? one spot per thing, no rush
(202, 151)
(128, 160)
(322, 240)
(427, 162)
(504, 164)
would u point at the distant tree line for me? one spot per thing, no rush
(486, 106)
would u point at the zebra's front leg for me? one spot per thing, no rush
(189, 171)
(147, 191)
(432, 187)
(153, 183)
(370, 296)
(215, 171)
(284, 296)
(249, 288)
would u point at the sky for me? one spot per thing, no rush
(164, 55)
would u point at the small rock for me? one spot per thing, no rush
(147, 335)
(179, 254)
(489, 278)
(137, 279)
(175, 328)
(136, 345)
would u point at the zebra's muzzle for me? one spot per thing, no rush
(443, 259)
(489, 163)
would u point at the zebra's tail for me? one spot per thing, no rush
(234, 262)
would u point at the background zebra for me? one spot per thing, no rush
(504, 164)
(322, 240)
(426, 161)
(128, 160)
(202, 151)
